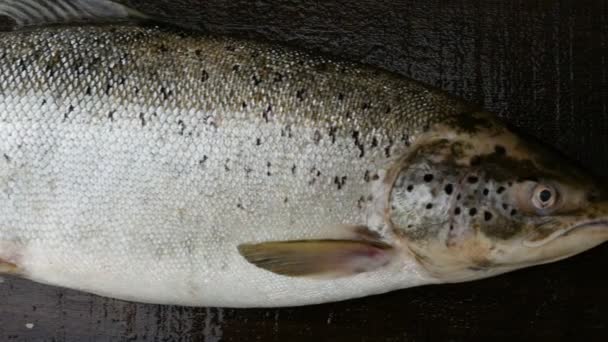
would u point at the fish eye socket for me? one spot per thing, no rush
(544, 197)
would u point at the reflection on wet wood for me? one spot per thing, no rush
(540, 64)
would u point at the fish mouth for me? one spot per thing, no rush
(583, 226)
(600, 223)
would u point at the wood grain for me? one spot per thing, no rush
(541, 65)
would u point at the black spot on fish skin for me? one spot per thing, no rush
(358, 143)
(6, 157)
(374, 142)
(300, 94)
(361, 200)
(88, 91)
(449, 189)
(236, 67)
(293, 169)
(67, 114)
(340, 182)
(457, 211)
(286, 132)
(486, 192)
(142, 119)
(111, 115)
(500, 190)
(256, 80)
(513, 212)
(332, 134)
(267, 113)
(472, 179)
(317, 137)
(473, 211)
(182, 126)
(258, 141)
(366, 176)
(429, 206)
(278, 77)
(410, 188)
(487, 215)
(204, 76)
(375, 177)
(201, 162)
(166, 94)
(387, 149)
(428, 178)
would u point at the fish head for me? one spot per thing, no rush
(472, 200)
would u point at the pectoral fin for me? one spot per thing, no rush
(8, 267)
(318, 258)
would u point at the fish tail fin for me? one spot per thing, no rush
(15, 14)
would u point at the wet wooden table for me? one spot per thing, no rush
(542, 65)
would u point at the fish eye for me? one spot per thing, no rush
(544, 197)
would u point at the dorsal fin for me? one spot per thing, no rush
(20, 13)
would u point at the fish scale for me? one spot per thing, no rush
(136, 159)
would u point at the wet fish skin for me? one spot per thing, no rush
(166, 166)
(137, 159)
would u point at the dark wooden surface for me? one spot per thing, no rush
(541, 65)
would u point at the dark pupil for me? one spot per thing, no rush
(545, 195)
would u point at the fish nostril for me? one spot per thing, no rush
(594, 196)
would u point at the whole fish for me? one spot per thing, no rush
(164, 166)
